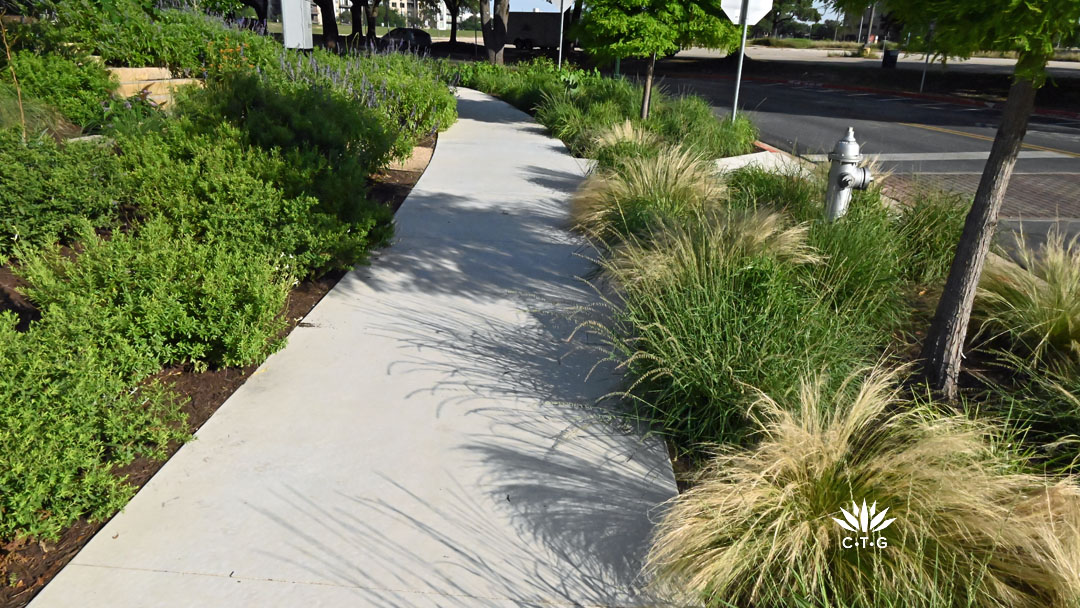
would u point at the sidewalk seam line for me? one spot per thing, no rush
(337, 585)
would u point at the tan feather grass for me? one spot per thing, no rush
(757, 530)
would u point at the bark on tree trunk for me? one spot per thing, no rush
(501, 17)
(870, 26)
(576, 15)
(647, 97)
(357, 13)
(486, 27)
(944, 344)
(372, 20)
(329, 23)
(453, 21)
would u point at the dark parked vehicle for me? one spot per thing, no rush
(407, 38)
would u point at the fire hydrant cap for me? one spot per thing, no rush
(847, 149)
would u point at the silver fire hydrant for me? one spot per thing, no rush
(845, 174)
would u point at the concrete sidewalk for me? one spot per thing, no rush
(427, 438)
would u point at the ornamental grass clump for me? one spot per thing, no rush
(708, 241)
(759, 527)
(1035, 305)
(714, 304)
(622, 141)
(643, 192)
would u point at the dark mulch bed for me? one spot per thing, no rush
(27, 565)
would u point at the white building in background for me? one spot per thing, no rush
(409, 8)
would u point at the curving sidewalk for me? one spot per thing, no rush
(428, 436)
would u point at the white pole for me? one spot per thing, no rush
(926, 63)
(742, 54)
(562, 22)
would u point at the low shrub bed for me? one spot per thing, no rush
(172, 239)
(578, 105)
(770, 348)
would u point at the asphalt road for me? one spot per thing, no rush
(907, 61)
(915, 140)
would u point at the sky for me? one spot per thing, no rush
(546, 7)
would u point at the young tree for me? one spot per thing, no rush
(785, 11)
(614, 29)
(962, 27)
(454, 8)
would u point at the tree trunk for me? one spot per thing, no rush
(357, 13)
(647, 97)
(487, 27)
(372, 20)
(500, 18)
(453, 9)
(870, 26)
(575, 17)
(329, 23)
(944, 345)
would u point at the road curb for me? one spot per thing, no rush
(861, 89)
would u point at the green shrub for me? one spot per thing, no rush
(292, 116)
(78, 88)
(172, 298)
(174, 239)
(68, 415)
(46, 188)
(136, 33)
(213, 185)
(578, 105)
(408, 91)
(759, 528)
(1035, 304)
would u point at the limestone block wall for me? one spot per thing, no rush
(159, 82)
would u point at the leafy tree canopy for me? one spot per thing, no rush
(961, 27)
(640, 28)
(792, 10)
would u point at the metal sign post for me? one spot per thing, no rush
(742, 55)
(562, 22)
(926, 64)
(745, 13)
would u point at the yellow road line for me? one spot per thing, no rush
(986, 138)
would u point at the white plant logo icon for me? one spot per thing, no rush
(864, 521)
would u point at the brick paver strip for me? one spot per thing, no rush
(1047, 196)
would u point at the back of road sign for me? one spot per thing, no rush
(755, 10)
(296, 23)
